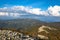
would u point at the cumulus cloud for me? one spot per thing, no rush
(18, 10)
(54, 11)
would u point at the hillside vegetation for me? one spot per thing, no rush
(31, 27)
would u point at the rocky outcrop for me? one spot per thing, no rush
(9, 35)
(13, 35)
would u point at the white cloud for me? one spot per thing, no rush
(54, 11)
(3, 13)
(31, 10)
(18, 10)
(37, 11)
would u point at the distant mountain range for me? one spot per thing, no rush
(32, 16)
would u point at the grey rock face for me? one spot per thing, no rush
(9, 35)
(12, 35)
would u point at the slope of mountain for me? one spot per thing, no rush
(20, 24)
(32, 27)
(49, 33)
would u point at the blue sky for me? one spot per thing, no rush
(38, 7)
(44, 4)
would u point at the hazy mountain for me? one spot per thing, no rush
(32, 16)
(20, 23)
